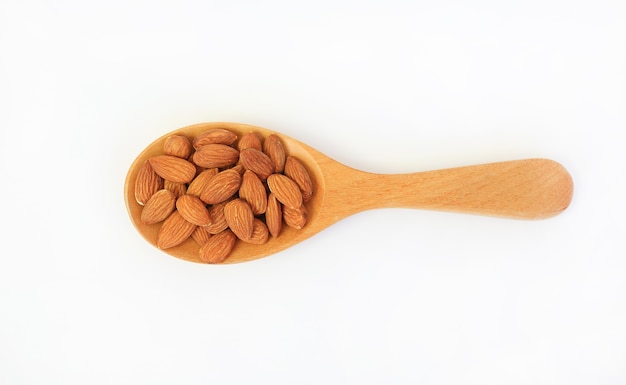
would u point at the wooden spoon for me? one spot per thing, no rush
(522, 189)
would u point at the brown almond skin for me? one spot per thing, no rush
(158, 207)
(215, 155)
(295, 170)
(260, 233)
(273, 148)
(221, 187)
(177, 145)
(201, 235)
(274, 215)
(239, 217)
(178, 189)
(239, 168)
(295, 218)
(250, 140)
(253, 191)
(256, 161)
(173, 168)
(193, 210)
(218, 221)
(199, 169)
(285, 189)
(218, 247)
(214, 136)
(174, 231)
(200, 181)
(147, 183)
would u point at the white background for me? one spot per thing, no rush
(383, 297)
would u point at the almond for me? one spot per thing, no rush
(174, 231)
(201, 235)
(295, 170)
(214, 136)
(240, 219)
(295, 218)
(173, 168)
(218, 247)
(200, 182)
(260, 233)
(177, 188)
(193, 210)
(285, 189)
(249, 140)
(221, 187)
(255, 160)
(177, 145)
(218, 222)
(199, 169)
(273, 148)
(158, 207)
(239, 168)
(274, 215)
(253, 191)
(215, 155)
(147, 183)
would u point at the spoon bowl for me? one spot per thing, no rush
(520, 189)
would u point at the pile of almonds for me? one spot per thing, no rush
(218, 188)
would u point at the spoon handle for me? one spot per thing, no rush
(524, 189)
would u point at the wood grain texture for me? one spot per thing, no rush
(520, 189)
(523, 189)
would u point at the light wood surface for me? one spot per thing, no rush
(520, 189)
